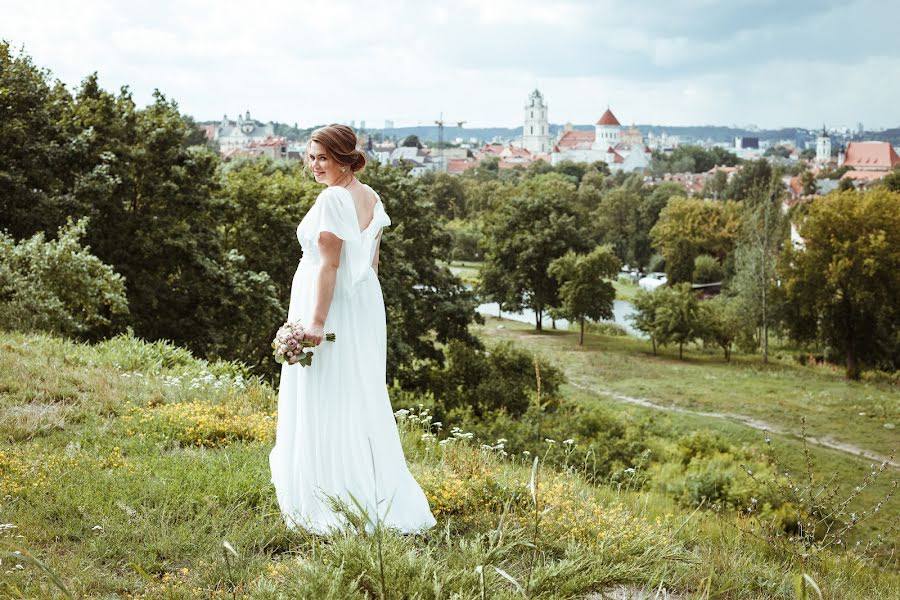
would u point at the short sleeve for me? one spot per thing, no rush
(333, 212)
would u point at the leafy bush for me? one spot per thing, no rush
(465, 241)
(57, 285)
(487, 382)
(707, 269)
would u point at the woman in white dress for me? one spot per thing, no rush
(336, 438)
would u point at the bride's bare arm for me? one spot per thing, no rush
(330, 257)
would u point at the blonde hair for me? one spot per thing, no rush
(339, 142)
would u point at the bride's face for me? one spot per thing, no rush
(325, 169)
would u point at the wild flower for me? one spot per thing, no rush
(199, 423)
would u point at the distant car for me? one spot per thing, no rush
(652, 281)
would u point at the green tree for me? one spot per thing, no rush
(263, 203)
(716, 186)
(618, 219)
(574, 170)
(411, 141)
(688, 227)
(754, 175)
(677, 316)
(426, 304)
(447, 194)
(646, 303)
(57, 285)
(707, 270)
(691, 159)
(540, 223)
(585, 289)
(842, 284)
(722, 321)
(763, 232)
(486, 383)
(34, 146)
(891, 182)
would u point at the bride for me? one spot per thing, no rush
(337, 441)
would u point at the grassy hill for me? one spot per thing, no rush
(133, 470)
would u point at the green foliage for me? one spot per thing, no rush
(57, 285)
(447, 193)
(34, 145)
(426, 304)
(842, 285)
(539, 223)
(722, 321)
(263, 203)
(763, 232)
(689, 227)
(466, 240)
(691, 159)
(779, 150)
(677, 315)
(488, 383)
(749, 182)
(617, 220)
(646, 304)
(707, 269)
(586, 291)
(574, 170)
(891, 182)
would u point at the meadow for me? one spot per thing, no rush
(134, 470)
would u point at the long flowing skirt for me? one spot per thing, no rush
(337, 439)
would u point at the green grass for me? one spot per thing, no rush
(859, 413)
(779, 393)
(121, 499)
(468, 271)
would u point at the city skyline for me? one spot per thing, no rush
(738, 63)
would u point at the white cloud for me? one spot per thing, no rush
(317, 61)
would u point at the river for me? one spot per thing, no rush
(621, 310)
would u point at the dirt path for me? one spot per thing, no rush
(742, 419)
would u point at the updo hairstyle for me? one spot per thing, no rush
(339, 142)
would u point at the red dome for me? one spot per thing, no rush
(608, 119)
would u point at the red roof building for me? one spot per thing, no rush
(870, 156)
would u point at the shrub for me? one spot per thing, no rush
(501, 379)
(57, 285)
(707, 269)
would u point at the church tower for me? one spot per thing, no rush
(607, 132)
(536, 133)
(823, 147)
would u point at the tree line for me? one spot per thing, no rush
(118, 217)
(553, 238)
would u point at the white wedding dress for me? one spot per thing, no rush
(336, 433)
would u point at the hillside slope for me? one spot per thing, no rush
(125, 468)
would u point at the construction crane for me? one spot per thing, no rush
(440, 123)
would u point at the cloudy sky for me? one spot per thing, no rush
(771, 63)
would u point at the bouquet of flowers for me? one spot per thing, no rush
(290, 347)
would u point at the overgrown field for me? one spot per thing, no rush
(132, 470)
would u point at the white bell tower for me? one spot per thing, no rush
(536, 132)
(823, 147)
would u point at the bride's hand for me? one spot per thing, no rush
(314, 333)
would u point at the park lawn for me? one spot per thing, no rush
(865, 414)
(126, 466)
(468, 271)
